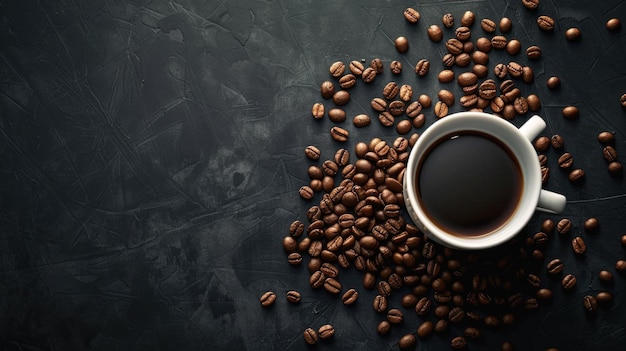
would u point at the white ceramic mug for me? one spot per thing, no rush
(518, 141)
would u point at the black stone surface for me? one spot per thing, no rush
(151, 153)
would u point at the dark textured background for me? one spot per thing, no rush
(151, 152)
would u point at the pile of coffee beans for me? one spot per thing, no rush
(357, 218)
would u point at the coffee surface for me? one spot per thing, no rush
(469, 184)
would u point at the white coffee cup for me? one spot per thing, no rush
(518, 141)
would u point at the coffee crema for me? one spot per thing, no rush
(469, 183)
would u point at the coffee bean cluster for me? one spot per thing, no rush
(356, 220)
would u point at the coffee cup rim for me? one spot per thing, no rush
(526, 157)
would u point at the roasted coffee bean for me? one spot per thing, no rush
(591, 224)
(395, 67)
(488, 25)
(395, 316)
(349, 297)
(317, 110)
(422, 307)
(546, 23)
(413, 110)
(620, 265)
(542, 143)
(572, 34)
(505, 25)
(531, 304)
(407, 342)
(404, 127)
(528, 75)
(378, 104)
(339, 134)
(422, 67)
(472, 333)
(290, 244)
(412, 15)
(383, 327)
(356, 67)
(556, 141)
(327, 89)
(566, 160)
(441, 109)
(448, 20)
(500, 70)
(337, 115)
(268, 299)
(463, 59)
(622, 100)
(480, 58)
(543, 159)
(487, 89)
(605, 276)
(468, 101)
(483, 44)
(545, 173)
(456, 315)
(613, 24)
(458, 343)
(347, 81)
(606, 137)
(310, 336)
(590, 304)
(466, 79)
(544, 294)
(564, 226)
(555, 266)
(553, 83)
(498, 42)
(568, 281)
(396, 108)
(454, 46)
(435, 33)
(533, 52)
(390, 90)
(294, 258)
(380, 303)
(445, 76)
(578, 245)
(448, 60)
(406, 93)
(312, 152)
(425, 100)
(294, 296)
(615, 167)
(402, 44)
(377, 65)
(337, 69)
(609, 153)
(530, 4)
(446, 96)
(547, 226)
(534, 103)
(520, 104)
(326, 331)
(479, 70)
(468, 18)
(513, 47)
(425, 329)
(369, 74)
(462, 33)
(306, 192)
(514, 69)
(317, 279)
(441, 326)
(361, 120)
(330, 168)
(341, 97)
(576, 175)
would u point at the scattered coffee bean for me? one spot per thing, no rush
(556, 141)
(570, 112)
(520, 104)
(623, 240)
(543, 160)
(339, 134)
(347, 81)
(395, 316)
(507, 346)
(310, 336)
(306, 192)
(404, 127)
(380, 303)
(605, 276)
(369, 74)
(578, 245)
(377, 65)
(606, 137)
(446, 96)
(337, 69)
(564, 226)
(425, 329)
(326, 331)
(500, 70)
(572, 34)
(435, 33)
(566, 160)
(327, 89)
(513, 47)
(402, 44)
(604, 298)
(268, 299)
(545, 174)
(447, 20)
(337, 115)
(530, 4)
(542, 143)
(349, 297)
(441, 109)
(613, 24)
(468, 18)
(591, 224)
(462, 33)
(458, 343)
(546, 23)
(544, 294)
(341, 97)
(498, 42)
(463, 59)
(356, 67)
(609, 153)
(422, 67)
(620, 265)
(406, 93)
(590, 304)
(312, 152)
(483, 44)
(615, 168)
(395, 67)
(445, 76)
(533, 52)
(488, 25)
(294, 296)
(553, 83)
(568, 281)
(412, 15)
(361, 120)
(454, 46)
(383, 327)
(555, 266)
(390, 90)
(407, 342)
(622, 100)
(576, 175)
(317, 110)
(534, 103)
(547, 226)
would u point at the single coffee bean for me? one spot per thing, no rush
(380, 303)
(564, 226)
(294, 258)
(500, 70)
(530, 4)
(441, 109)
(591, 224)
(620, 265)
(312, 152)
(466, 78)
(326, 331)
(361, 120)
(544, 294)
(310, 336)
(483, 44)
(622, 100)
(546, 23)
(378, 104)
(386, 119)
(396, 108)
(347, 81)
(406, 93)
(458, 343)
(290, 244)
(545, 173)
(480, 58)
(566, 160)
(462, 33)
(534, 103)
(528, 75)
(356, 67)
(609, 153)
(268, 299)
(454, 46)
(606, 137)
(497, 104)
(383, 327)
(446, 96)
(568, 281)
(498, 42)
(425, 100)
(395, 67)
(615, 167)
(349, 297)
(294, 296)
(306, 192)
(317, 110)
(553, 83)
(507, 346)
(590, 304)
(570, 112)
(543, 159)
(445, 76)
(407, 342)
(547, 226)
(468, 18)
(339, 134)
(448, 20)
(533, 52)
(413, 110)
(337, 115)
(472, 333)
(404, 127)
(395, 316)
(521, 105)
(613, 24)
(412, 15)
(487, 89)
(422, 67)
(542, 143)
(402, 44)
(337, 69)
(448, 60)
(327, 89)
(555, 266)
(463, 59)
(505, 25)
(425, 329)
(572, 34)
(377, 65)
(422, 307)
(488, 25)
(456, 315)
(604, 298)
(468, 101)
(390, 90)
(441, 326)
(605, 276)
(369, 74)
(578, 245)
(513, 47)
(435, 33)
(576, 175)
(341, 97)
(514, 69)
(556, 141)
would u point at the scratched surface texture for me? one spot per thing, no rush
(151, 152)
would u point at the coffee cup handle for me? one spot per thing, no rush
(551, 202)
(532, 127)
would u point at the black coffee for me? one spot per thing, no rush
(469, 183)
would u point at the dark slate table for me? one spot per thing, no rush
(151, 154)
